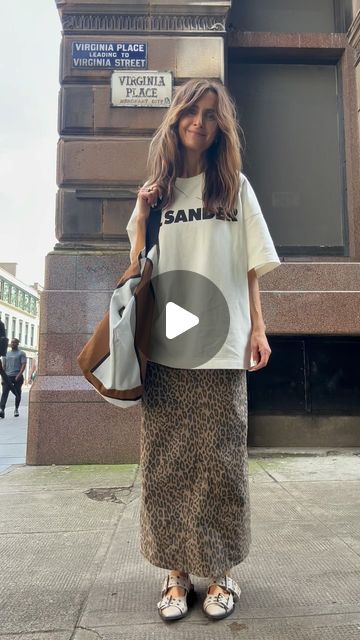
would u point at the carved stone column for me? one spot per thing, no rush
(101, 160)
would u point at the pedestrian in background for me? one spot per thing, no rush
(14, 364)
(3, 339)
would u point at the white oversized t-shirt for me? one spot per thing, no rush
(223, 251)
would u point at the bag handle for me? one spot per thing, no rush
(152, 228)
(151, 239)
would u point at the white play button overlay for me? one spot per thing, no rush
(178, 320)
(190, 321)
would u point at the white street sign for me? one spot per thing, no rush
(141, 88)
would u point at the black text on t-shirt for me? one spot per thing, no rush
(198, 214)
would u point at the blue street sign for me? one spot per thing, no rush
(109, 55)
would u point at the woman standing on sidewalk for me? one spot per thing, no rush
(195, 512)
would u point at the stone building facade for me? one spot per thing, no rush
(292, 71)
(354, 41)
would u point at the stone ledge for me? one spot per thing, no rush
(162, 16)
(285, 312)
(296, 41)
(200, 23)
(98, 267)
(303, 452)
(64, 389)
(138, 7)
(312, 312)
(303, 431)
(313, 276)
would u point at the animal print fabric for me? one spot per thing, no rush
(195, 510)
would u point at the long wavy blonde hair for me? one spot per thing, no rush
(223, 161)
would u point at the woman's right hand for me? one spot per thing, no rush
(132, 270)
(148, 196)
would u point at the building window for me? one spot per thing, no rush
(21, 299)
(7, 320)
(6, 292)
(20, 330)
(26, 333)
(26, 302)
(13, 328)
(14, 296)
(290, 117)
(32, 334)
(291, 16)
(33, 305)
(17, 297)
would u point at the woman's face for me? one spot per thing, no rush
(198, 125)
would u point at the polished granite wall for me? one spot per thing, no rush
(101, 161)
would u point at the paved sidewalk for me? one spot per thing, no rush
(13, 432)
(71, 567)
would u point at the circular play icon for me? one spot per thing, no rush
(190, 322)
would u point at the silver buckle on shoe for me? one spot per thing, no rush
(223, 600)
(229, 584)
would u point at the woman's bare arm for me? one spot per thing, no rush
(257, 320)
(140, 239)
(260, 350)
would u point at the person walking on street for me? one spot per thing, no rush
(3, 339)
(14, 364)
(2, 330)
(195, 508)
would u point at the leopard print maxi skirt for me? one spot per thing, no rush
(195, 510)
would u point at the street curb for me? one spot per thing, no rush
(271, 452)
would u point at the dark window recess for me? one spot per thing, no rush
(280, 387)
(317, 375)
(291, 16)
(291, 119)
(334, 375)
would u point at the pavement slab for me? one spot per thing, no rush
(296, 564)
(9, 435)
(329, 627)
(53, 635)
(8, 461)
(28, 478)
(45, 578)
(72, 567)
(13, 432)
(330, 468)
(25, 512)
(284, 506)
(257, 474)
(13, 450)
